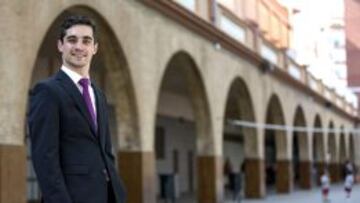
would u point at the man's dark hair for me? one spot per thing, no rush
(76, 20)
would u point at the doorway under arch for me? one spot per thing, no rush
(301, 157)
(277, 165)
(239, 143)
(181, 132)
(319, 154)
(332, 153)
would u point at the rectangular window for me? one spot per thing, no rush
(189, 4)
(313, 83)
(233, 29)
(339, 102)
(327, 94)
(294, 71)
(269, 53)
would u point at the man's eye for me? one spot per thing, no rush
(86, 41)
(72, 41)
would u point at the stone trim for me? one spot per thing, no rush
(305, 174)
(210, 187)
(137, 170)
(13, 174)
(254, 178)
(284, 176)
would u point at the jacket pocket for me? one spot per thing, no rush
(76, 169)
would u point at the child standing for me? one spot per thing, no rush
(349, 181)
(325, 186)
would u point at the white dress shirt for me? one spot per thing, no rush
(75, 77)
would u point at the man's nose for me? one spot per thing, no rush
(79, 45)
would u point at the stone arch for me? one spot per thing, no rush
(111, 73)
(275, 115)
(183, 62)
(277, 163)
(351, 148)
(342, 152)
(342, 146)
(318, 144)
(318, 141)
(332, 149)
(301, 151)
(182, 86)
(240, 143)
(332, 153)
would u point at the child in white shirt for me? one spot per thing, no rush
(325, 186)
(349, 181)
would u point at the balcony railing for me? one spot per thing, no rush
(295, 71)
(314, 84)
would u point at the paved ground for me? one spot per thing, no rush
(337, 195)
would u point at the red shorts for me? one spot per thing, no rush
(325, 191)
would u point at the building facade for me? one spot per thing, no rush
(352, 44)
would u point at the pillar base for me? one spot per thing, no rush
(335, 172)
(305, 174)
(210, 187)
(283, 176)
(254, 178)
(12, 174)
(137, 170)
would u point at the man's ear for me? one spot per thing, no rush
(96, 46)
(60, 45)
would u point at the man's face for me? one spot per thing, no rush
(78, 47)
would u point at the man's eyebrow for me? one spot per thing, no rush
(84, 37)
(87, 38)
(71, 36)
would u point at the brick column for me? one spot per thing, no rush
(283, 176)
(210, 187)
(334, 170)
(137, 170)
(340, 172)
(254, 178)
(12, 174)
(305, 174)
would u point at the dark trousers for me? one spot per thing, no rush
(111, 195)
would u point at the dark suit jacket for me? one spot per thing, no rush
(70, 159)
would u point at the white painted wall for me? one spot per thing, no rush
(168, 101)
(235, 152)
(179, 135)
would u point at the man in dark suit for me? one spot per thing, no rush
(69, 127)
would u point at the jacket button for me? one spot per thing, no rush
(107, 178)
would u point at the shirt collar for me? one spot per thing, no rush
(74, 76)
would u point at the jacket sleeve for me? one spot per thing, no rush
(108, 143)
(44, 129)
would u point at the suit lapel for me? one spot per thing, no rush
(100, 106)
(74, 92)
